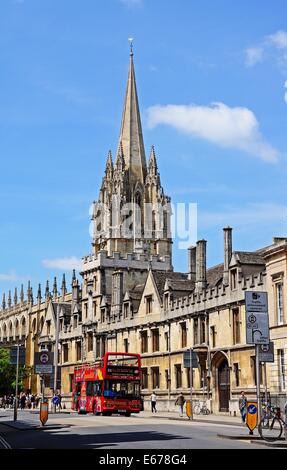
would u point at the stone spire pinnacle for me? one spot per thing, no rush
(3, 302)
(22, 294)
(15, 296)
(152, 164)
(64, 288)
(109, 164)
(39, 294)
(30, 293)
(131, 137)
(47, 291)
(9, 299)
(120, 161)
(55, 289)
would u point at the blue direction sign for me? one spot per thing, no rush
(186, 359)
(13, 355)
(252, 409)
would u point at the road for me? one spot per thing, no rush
(70, 431)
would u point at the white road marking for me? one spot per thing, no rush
(4, 443)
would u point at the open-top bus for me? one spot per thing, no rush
(111, 385)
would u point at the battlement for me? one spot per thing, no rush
(217, 296)
(126, 260)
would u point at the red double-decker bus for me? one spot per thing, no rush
(111, 385)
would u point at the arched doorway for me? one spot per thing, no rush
(223, 386)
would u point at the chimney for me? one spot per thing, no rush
(192, 263)
(227, 253)
(200, 280)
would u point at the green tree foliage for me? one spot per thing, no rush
(8, 374)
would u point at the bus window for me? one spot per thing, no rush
(97, 388)
(94, 389)
(121, 389)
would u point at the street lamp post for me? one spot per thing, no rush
(16, 388)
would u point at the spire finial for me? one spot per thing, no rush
(22, 294)
(39, 294)
(131, 41)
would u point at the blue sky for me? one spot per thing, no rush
(212, 83)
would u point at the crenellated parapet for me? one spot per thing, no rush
(216, 297)
(126, 260)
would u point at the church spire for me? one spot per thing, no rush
(131, 137)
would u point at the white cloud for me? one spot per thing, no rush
(278, 39)
(254, 55)
(10, 277)
(63, 263)
(272, 46)
(227, 127)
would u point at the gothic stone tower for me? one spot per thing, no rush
(131, 221)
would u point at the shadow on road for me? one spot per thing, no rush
(51, 438)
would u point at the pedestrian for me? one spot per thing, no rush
(33, 401)
(60, 400)
(153, 402)
(180, 401)
(242, 402)
(23, 401)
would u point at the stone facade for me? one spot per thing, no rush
(130, 299)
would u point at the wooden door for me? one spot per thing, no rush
(224, 386)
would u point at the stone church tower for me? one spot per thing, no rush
(132, 213)
(131, 221)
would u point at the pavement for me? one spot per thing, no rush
(212, 418)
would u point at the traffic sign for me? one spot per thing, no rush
(43, 412)
(43, 369)
(257, 324)
(186, 359)
(56, 400)
(22, 355)
(266, 352)
(251, 418)
(43, 358)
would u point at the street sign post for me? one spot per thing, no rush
(14, 353)
(257, 329)
(190, 360)
(251, 417)
(18, 358)
(266, 352)
(43, 362)
(257, 324)
(190, 356)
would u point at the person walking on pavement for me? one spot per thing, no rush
(242, 402)
(180, 401)
(153, 402)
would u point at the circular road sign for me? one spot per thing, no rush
(252, 409)
(44, 358)
(252, 318)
